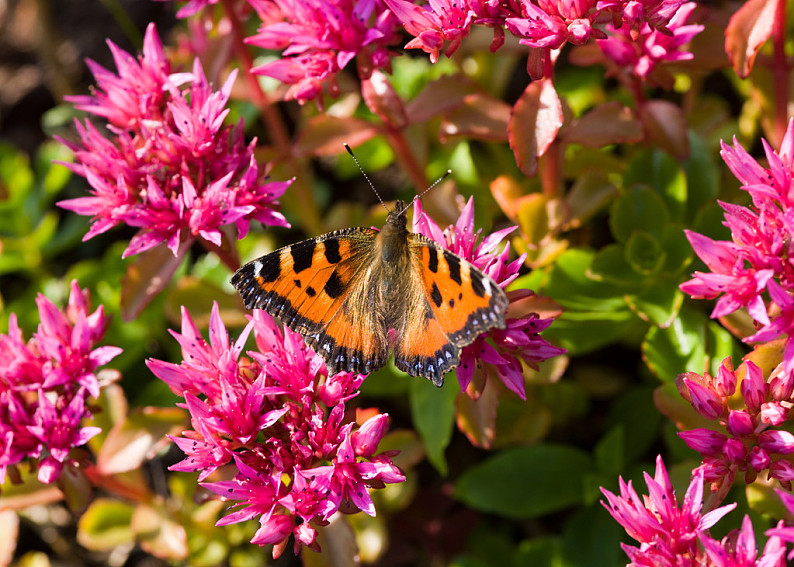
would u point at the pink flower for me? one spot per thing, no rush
(520, 340)
(751, 445)
(442, 22)
(666, 533)
(550, 24)
(758, 258)
(738, 549)
(638, 47)
(319, 38)
(169, 167)
(637, 13)
(277, 422)
(45, 382)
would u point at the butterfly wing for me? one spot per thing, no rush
(317, 288)
(460, 303)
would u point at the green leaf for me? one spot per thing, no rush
(105, 525)
(643, 253)
(678, 251)
(662, 173)
(658, 304)
(582, 332)
(543, 550)
(433, 413)
(610, 450)
(610, 265)
(592, 539)
(569, 285)
(526, 482)
(690, 343)
(702, 177)
(638, 208)
(637, 414)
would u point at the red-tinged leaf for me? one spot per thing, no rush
(338, 544)
(610, 123)
(147, 276)
(533, 218)
(665, 127)
(477, 419)
(507, 192)
(480, 116)
(747, 31)
(590, 193)
(740, 324)
(30, 493)
(326, 135)
(523, 302)
(382, 100)
(9, 531)
(77, 489)
(106, 525)
(196, 296)
(158, 534)
(411, 450)
(113, 408)
(439, 96)
(137, 438)
(534, 123)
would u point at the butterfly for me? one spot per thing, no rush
(357, 294)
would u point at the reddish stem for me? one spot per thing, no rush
(407, 159)
(780, 72)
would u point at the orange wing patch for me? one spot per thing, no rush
(305, 284)
(462, 302)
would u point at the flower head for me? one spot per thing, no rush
(44, 384)
(550, 23)
(751, 443)
(638, 47)
(319, 38)
(668, 534)
(169, 166)
(280, 423)
(520, 340)
(753, 271)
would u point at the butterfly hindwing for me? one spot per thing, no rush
(461, 303)
(314, 287)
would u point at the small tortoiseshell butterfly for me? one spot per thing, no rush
(356, 294)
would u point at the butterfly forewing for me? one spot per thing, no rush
(315, 287)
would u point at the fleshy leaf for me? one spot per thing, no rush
(480, 117)
(534, 123)
(747, 31)
(526, 482)
(610, 123)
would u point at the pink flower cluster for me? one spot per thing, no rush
(320, 37)
(520, 341)
(281, 423)
(544, 24)
(167, 164)
(670, 536)
(755, 271)
(637, 47)
(45, 382)
(751, 443)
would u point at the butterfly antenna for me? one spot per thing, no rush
(364, 173)
(420, 195)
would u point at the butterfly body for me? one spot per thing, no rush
(357, 294)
